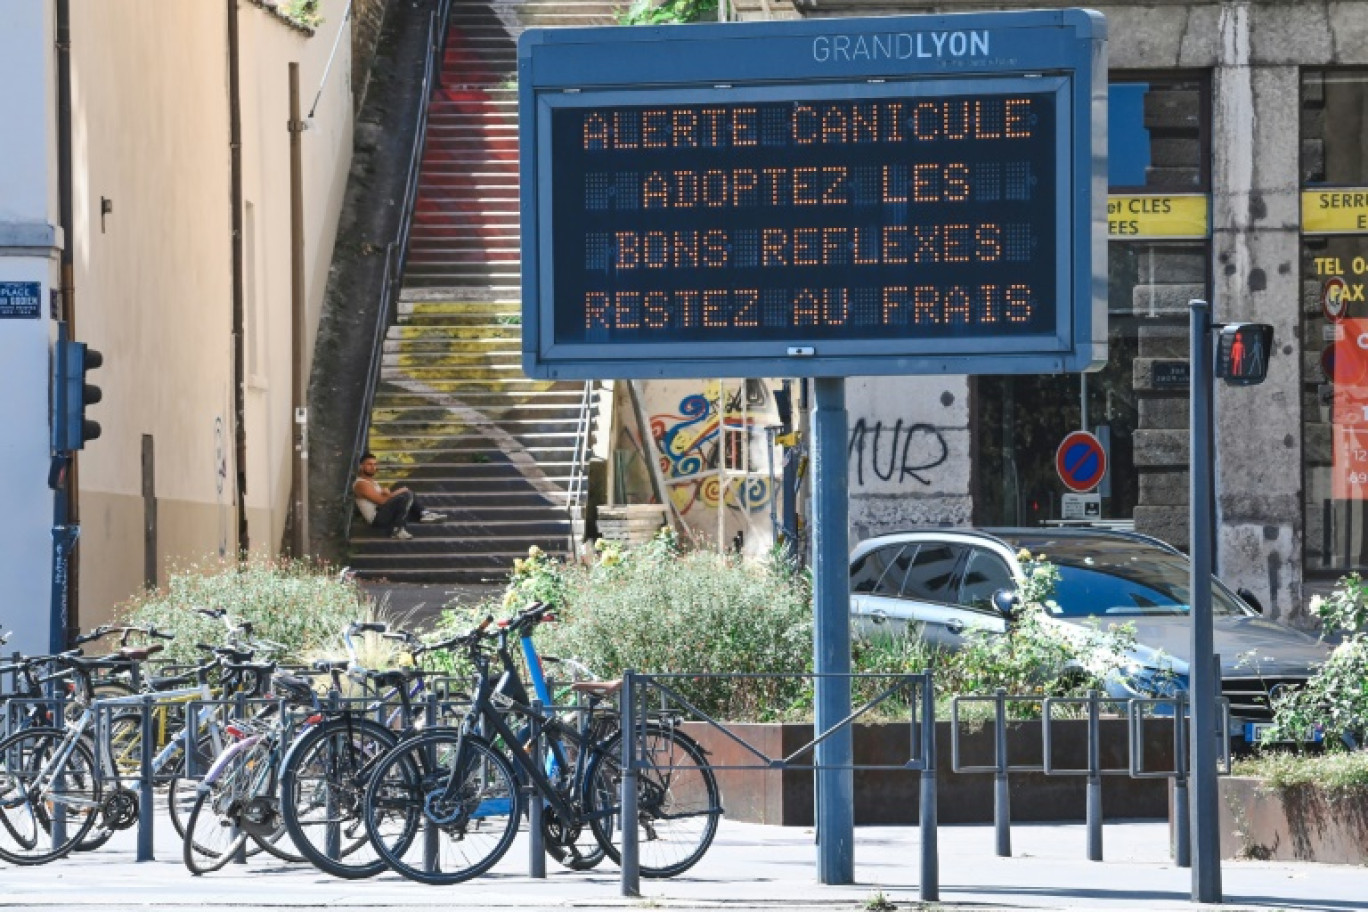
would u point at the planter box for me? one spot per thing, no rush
(1301, 824)
(784, 797)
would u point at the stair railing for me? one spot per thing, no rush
(396, 251)
(577, 487)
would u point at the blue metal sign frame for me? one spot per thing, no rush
(1059, 53)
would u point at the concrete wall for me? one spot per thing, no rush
(154, 277)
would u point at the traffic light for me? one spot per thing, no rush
(71, 394)
(1242, 352)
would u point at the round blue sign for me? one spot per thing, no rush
(1081, 461)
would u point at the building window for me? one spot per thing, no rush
(1334, 204)
(1158, 260)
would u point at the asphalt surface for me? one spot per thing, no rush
(750, 867)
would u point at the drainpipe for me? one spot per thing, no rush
(68, 506)
(298, 307)
(239, 328)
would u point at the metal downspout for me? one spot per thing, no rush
(239, 327)
(67, 312)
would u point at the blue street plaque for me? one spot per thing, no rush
(913, 194)
(21, 300)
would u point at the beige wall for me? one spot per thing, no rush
(154, 287)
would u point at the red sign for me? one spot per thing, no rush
(1081, 461)
(1349, 366)
(1334, 300)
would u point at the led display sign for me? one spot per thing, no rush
(820, 226)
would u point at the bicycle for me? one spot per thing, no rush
(324, 773)
(464, 791)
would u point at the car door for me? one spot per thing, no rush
(875, 583)
(984, 574)
(927, 597)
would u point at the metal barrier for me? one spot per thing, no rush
(922, 749)
(1093, 704)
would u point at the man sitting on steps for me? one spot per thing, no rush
(388, 509)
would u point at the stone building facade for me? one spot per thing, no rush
(1237, 132)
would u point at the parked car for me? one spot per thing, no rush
(938, 584)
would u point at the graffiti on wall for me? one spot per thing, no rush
(693, 442)
(900, 453)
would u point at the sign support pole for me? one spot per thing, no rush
(831, 633)
(1203, 812)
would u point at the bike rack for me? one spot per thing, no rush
(921, 743)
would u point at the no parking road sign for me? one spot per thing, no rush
(1081, 461)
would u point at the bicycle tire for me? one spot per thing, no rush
(407, 781)
(25, 818)
(231, 788)
(570, 843)
(181, 791)
(310, 778)
(678, 801)
(199, 849)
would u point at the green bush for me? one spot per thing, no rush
(1335, 699)
(667, 12)
(303, 606)
(1339, 774)
(662, 610)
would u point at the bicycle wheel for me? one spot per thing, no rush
(463, 794)
(212, 835)
(322, 784)
(28, 809)
(678, 802)
(181, 792)
(571, 843)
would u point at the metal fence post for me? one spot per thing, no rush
(332, 837)
(929, 890)
(536, 845)
(430, 833)
(240, 713)
(1002, 806)
(627, 812)
(145, 792)
(1094, 778)
(1182, 832)
(59, 813)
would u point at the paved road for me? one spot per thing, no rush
(750, 868)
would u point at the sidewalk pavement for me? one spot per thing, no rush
(750, 868)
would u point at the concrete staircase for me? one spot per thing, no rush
(454, 417)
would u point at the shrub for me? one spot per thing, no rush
(1335, 699)
(667, 12)
(662, 610)
(303, 606)
(1339, 774)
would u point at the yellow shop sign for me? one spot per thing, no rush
(1343, 210)
(1148, 217)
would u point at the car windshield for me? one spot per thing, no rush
(1120, 577)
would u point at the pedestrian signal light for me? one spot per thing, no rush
(71, 394)
(1242, 352)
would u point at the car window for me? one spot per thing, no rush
(1134, 588)
(891, 583)
(869, 569)
(932, 572)
(984, 574)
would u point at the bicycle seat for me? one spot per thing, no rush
(169, 681)
(597, 688)
(394, 677)
(139, 653)
(331, 665)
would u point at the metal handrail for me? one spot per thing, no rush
(396, 252)
(579, 465)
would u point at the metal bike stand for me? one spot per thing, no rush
(627, 813)
(240, 712)
(59, 814)
(927, 810)
(536, 846)
(430, 833)
(1002, 795)
(146, 810)
(332, 839)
